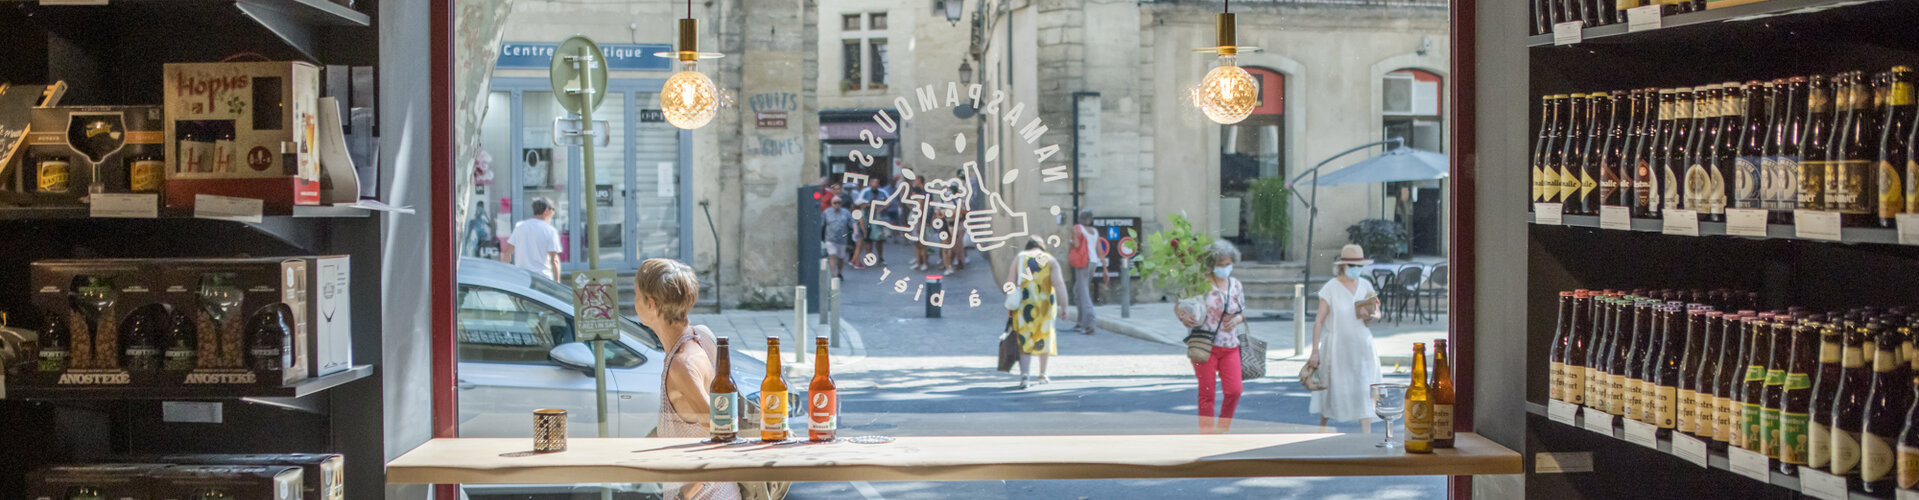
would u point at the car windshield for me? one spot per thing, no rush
(561, 293)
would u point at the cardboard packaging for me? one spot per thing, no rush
(102, 324)
(324, 475)
(59, 164)
(329, 314)
(246, 130)
(252, 482)
(114, 481)
(237, 308)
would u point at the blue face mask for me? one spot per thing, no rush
(1354, 272)
(1223, 271)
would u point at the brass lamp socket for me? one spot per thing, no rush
(689, 39)
(1226, 27)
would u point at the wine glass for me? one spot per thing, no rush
(96, 135)
(1389, 402)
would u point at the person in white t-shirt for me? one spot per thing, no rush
(535, 244)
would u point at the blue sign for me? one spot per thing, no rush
(1112, 233)
(619, 56)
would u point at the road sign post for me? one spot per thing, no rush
(578, 74)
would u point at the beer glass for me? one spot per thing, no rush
(1389, 402)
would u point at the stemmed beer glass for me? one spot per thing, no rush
(1389, 402)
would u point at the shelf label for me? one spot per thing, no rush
(1562, 412)
(1551, 214)
(1746, 222)
(1681, 222)
(1642, 18)
(1819, 484)
(208, 206)
(1568, 33)
(124, 206)
(1643, 434)
(1598, 421)
(1615, 217)
(1750, 463)
(1563, 463)
(1906, 495)
(1690, 449)
(190, 412)
(1908, 235)
(1816, 224)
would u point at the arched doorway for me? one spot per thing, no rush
(1251, 150)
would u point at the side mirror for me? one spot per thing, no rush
(573, 355)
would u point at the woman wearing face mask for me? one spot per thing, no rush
(1342, 341)
(1224, 315)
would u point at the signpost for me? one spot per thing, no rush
(578, 73)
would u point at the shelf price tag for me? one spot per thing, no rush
(1749, 463)
(1816, 224)
(1551, 214)
(1819, 484)
(1562, 412)
(208, 206)
(1598, 421)
(1746, 222)
(1568, 33)
(1690, 449)
(1681, 222)
(1643, 434)
(1642, 18)
(1906, 495)
(124, 206)
(1615, 217)
(1909, 235)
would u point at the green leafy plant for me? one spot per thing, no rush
(1175, 258)
(1382, 239)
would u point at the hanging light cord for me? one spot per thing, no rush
(1229, 6)
(689, 9)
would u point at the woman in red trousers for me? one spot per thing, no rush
(1224, 314)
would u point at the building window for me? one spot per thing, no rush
(876, 79)
(1252, 150)
(876, 21)
(850, 65)
(1411, 110)
(850, 22)
(853, 59)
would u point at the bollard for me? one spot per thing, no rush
(1299, 319)
(826, 276)
(799, 322)
(933, 297)
(1125, 288)
(834, 295)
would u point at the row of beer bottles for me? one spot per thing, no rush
(1546, 13)
(1842, 144)
(1832, 391)
(1429, 403)
(822, 397)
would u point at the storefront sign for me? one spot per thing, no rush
(652, 116)
(771, 119)
(619, 56)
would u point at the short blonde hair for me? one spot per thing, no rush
(670, 284)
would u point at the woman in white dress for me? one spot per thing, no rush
(1343, 345)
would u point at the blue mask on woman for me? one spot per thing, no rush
(1354, 272)
(1223, 271)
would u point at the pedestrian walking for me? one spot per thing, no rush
(535, 244)
(873, 199)
(665, 290)
(1343, 343)
(1223, 315)
(1086, 260)
(1040, 293)
(839, 230)
(918, 191)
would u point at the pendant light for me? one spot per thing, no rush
(1228, 93)
(689, 100)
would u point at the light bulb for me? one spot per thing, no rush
(689, 100)
(1227, 94)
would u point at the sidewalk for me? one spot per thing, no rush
(1155, 322)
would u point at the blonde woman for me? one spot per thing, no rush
(665, 290)
(1343, 344)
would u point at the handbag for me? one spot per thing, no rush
(1252, 356)
(1008, 348)
(1199, 345)
(1309, 377)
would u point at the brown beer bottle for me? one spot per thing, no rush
(723, 409)
(773, 396)
(1848, 407)
(1556, 388)
(1704, 378)
(1574, 377)
(1442, 389)
(1673, 161)
(1731, 370)
(1667, 368)
(1753, 385)
(1419, 406)
(1686, 409)
(1893, 152)
(1540, 146)
(1612, 169)
(1795, 412)
(1591, 154)
(1816, 141)
(823, 400)
(1907, 464)
(1825, 389)
(1853, 168)
(1891, 399)
(1777, 355)
(1697, 175)
(1567, 160)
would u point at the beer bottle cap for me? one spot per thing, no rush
(1714, 314)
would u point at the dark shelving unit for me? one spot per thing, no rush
(298, 389)
(1759, 15)
(1852, 235)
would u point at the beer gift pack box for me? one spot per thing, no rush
(106, 481)
(323, 474)
(329, 315)
(248, 317)
(251, 482)
(102, 324)
(69, 145)
(243, 129)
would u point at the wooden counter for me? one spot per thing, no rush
(958, 458)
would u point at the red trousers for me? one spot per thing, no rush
(1224, 363)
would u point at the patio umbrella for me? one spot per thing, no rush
(1397, 164)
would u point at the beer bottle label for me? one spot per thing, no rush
(1568, 184)
(1737, 424)
(1845, 452)
(53, 176)
(1819, 445)
(1549, 185)
(1755, 423)
(1419, 421)
(1912, 185)
(1648, 402)
(1892, 195)
(1723, 416)
(1769, 182)
(823, 408)
(1663, 411)
(723, 413)
(1687, 413)
(1705, 419)
(1697, 183)
(1670, 198)
(1442, 421)
(1775, 377)
(773, 417)
(1537, 179)
(1595, 383)
(1586, 184)
(1788, 182)
(1616, 394)
(146, 175)
(1853, 183)
(1798, 381)
(1769, 420)
(1557, 383)
(1875, 457)
(1746, 182)
(1792, 437)
(1713, 199)
(1811, 182)
(1575, 390)
(1908, 464)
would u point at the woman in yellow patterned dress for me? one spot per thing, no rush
(1042, 291)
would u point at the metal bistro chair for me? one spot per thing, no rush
(1436, 289)
(1383, 284)
(1405, 289)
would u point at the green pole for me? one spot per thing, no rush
(585, 64)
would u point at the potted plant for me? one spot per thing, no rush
(1272, 222)
(1383, 240)
(849, 85)
(1175, 260)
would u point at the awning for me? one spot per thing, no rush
(851, 131)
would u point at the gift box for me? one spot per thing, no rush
(329, 315)
(115, 481)
(246, 130)
(247, 316)
(252, 482)
(324, 474)
(102, 324)
(73, 150)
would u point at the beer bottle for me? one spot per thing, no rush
(1726, 153)
(1556, 388)
(1705, 376)
(1795, 412)
(1666, 380)
(1646, 346)
(722, 411)
(1751, 146)
(1893, 152)
(1595, 372)
(1442, 390)
(1637, 119)
(1659, 140)
(1603, 354)
(1572, 154)
(1674, 160)
(1698, 160)
(1752, 385)
(1854, 166)
(1732, 370)
(1575, 358)
(1907, 462)
(1848, 406)
(1611, 180)
(1891, 399)
(1782, 149)
(1541, 146)
(1815, 144)
(1621, 351)
(1686, 413)
(1825, 390)
(1593, 154)
(823, 399)
(1419, 406)
(1553, 176)
(1776, 354)
(773, 396)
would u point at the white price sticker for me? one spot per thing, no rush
(1750, 463)
(1690, 449)
(1681, 222)
(208, 206)
(1562, 412)
(124, 206)
(1643, 434)
(1563, 463)
(1818, 484)
(1598, 421)
(1551, 214)
(1908, 235)
(1906, 495)
(1816, 224)
(1746, 222)
(1568, 33)
(1642, 18)
(191, 412)
(1615, 217)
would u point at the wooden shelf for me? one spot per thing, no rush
(81, 212)
(298, 389)
(949, 458)
(1773, 231)
(1767, 10)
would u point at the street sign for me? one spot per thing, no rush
(577, 58)
(1116, 231)
(569, 132)
(596, 305)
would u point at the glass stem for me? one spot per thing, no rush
(1389, 430)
